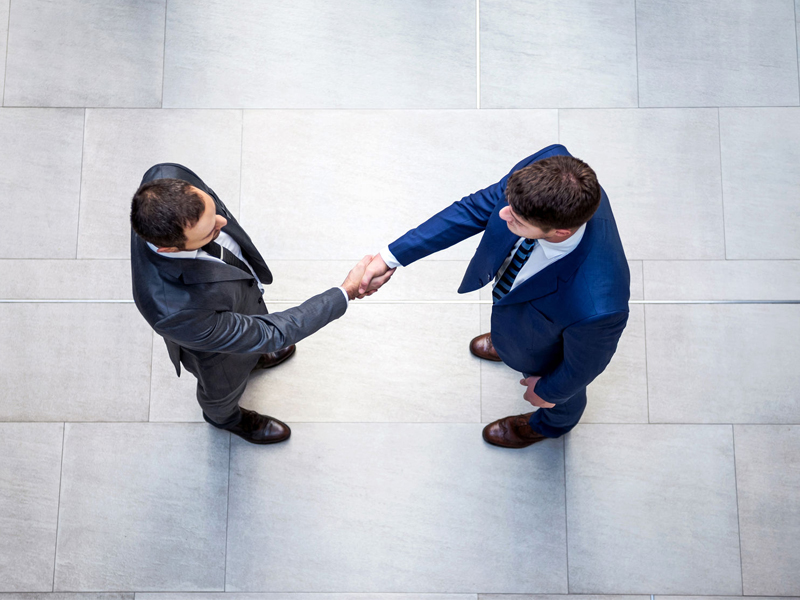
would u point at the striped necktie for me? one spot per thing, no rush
(226, 256)
(512, 270)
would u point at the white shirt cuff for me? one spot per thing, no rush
(346, 297)
(389, 258)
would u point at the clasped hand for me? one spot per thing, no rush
(531, 396)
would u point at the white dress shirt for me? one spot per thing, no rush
(226, 241)
(543, 255)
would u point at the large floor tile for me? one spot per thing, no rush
(568, 54)
(618, 395)
(4, 6)
(173, 399)
(40, 182)
(342, 184)
(65, 279)
(760, 153)
(207, 142)
(69, 596)
(768, 480)
(305, 54)
(30, 472)
(74, 362)
(723, 363)
(557, 597)
(652, 508)
(306, 596)
(660, 169)
(722, 280)
(77, 53)
(395, 508)
(155, 517)
(707, 53)
(406, 363)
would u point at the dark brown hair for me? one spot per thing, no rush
(161, 209)
(560, 192)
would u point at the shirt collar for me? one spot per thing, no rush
(180, 254)
(552, 250)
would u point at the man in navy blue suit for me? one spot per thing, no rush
(560, 283)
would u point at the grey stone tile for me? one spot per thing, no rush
(618, 395)
(65, 279)
(30, 472)
(305, 596)
(370, 176)
(557, 597)
(407, 363)
(637, 284)
(155, 517)
(308, 55)
(722, 280)
(638, 155)
(74, 362)
(659, 597)
(4, 6)
(380, 505)
(207, 142)
(723, 363)
(70, 53)
(40, 181)
(768, 481)
(172, 398)
(652, 508)
(705, 53)
(570, 54)
(68, 596)
(760, 152)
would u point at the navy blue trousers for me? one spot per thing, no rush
(555, 422)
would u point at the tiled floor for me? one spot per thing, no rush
(330, 128)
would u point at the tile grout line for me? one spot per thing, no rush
(58, 511)
(398, 109)
(478, 52)
(241, 161)
(722, 186)
(738, 513)
(5, 68)
(636, 42)
(227, 516)
(164, 55)
(80, 184)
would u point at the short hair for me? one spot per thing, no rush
(560, 192)
(161, 209)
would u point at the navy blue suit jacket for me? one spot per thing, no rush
(564, 322)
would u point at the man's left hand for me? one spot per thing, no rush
(531, 396)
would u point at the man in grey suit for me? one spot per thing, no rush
(197, 280)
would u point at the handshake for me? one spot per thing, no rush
(367, 277)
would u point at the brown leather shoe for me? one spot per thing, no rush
(512, 432)
(271, 359)
(260, 429)
(482, 347)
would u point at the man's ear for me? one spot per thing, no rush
(169, 250)
(563, 232)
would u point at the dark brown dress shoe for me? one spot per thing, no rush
(271, 359)
(482, 347)
(260, 429)
(512, 432)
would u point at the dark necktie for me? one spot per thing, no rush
(228, 257)
(512, 270)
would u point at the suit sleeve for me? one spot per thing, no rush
(460, 220)
(588, 348)
(235, 333)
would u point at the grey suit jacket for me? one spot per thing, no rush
(211, 314)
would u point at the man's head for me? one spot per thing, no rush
(551, 198)
(174, 215)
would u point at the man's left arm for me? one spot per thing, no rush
(588, 348)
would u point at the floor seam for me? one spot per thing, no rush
(58, 511)
(8, 37)
(80, 184)
(738, 513)
(164, 55)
